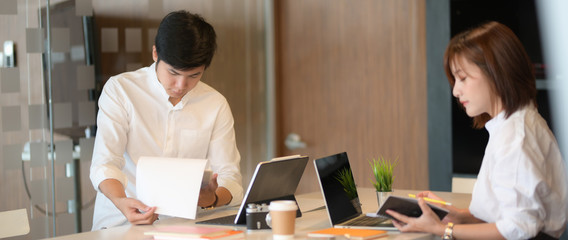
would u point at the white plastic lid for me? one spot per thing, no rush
(283, 205)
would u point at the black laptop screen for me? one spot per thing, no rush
(338, 187)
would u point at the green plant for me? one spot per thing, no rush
(345, 177)
(383, 173)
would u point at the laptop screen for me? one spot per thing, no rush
(338, 187)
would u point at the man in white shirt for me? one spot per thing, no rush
(164, 110)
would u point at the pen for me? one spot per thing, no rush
(431, 200)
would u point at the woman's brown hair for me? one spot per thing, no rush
(497, 51)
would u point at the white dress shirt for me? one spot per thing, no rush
(522, 185)
(136, 119)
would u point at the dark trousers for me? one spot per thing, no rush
(543, 236)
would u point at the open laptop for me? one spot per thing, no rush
(276, 179)
(343, 207)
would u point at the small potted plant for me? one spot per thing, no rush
(383, 172)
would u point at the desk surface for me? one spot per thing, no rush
(314, 217)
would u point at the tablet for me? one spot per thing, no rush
(407, 206)
(272, 180)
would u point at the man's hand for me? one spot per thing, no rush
(207, 196)
(135, 211)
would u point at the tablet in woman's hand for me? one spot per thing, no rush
(407, 206)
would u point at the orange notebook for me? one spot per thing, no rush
(194, 232)
(350, 233)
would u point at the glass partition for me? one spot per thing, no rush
(47, 85)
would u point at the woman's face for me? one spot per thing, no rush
(472, 88)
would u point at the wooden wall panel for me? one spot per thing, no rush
(352, 77)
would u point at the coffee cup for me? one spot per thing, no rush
(282, 219)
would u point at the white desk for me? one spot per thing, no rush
(311, 220)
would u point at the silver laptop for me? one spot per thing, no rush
(342, 205)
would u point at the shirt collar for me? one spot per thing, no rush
(158, 86)
(495, 122)
(190, 94)
(162, 91)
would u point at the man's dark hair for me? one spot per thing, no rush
(185, 41)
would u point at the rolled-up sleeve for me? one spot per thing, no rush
(224, 156)
(110, 141)
(521, 187)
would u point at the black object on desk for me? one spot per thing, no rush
(408, 207)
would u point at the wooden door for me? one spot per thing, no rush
(351, 76)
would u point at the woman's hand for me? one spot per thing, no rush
(427, 222)
(455, 215)
(428, 194)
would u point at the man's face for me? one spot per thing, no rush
(177, 82)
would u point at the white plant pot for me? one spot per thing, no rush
(382, 197)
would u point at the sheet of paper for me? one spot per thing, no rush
(171, 184)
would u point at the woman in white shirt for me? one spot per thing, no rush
(521, 190)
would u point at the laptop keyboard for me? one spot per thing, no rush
(227, 220)
(365, 221)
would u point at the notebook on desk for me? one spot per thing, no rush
(276, 179)
(343, 207)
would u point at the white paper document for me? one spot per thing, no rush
(170, 184)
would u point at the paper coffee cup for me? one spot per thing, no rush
(283, 215)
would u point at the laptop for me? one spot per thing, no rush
(343, 206)
(276, 179)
